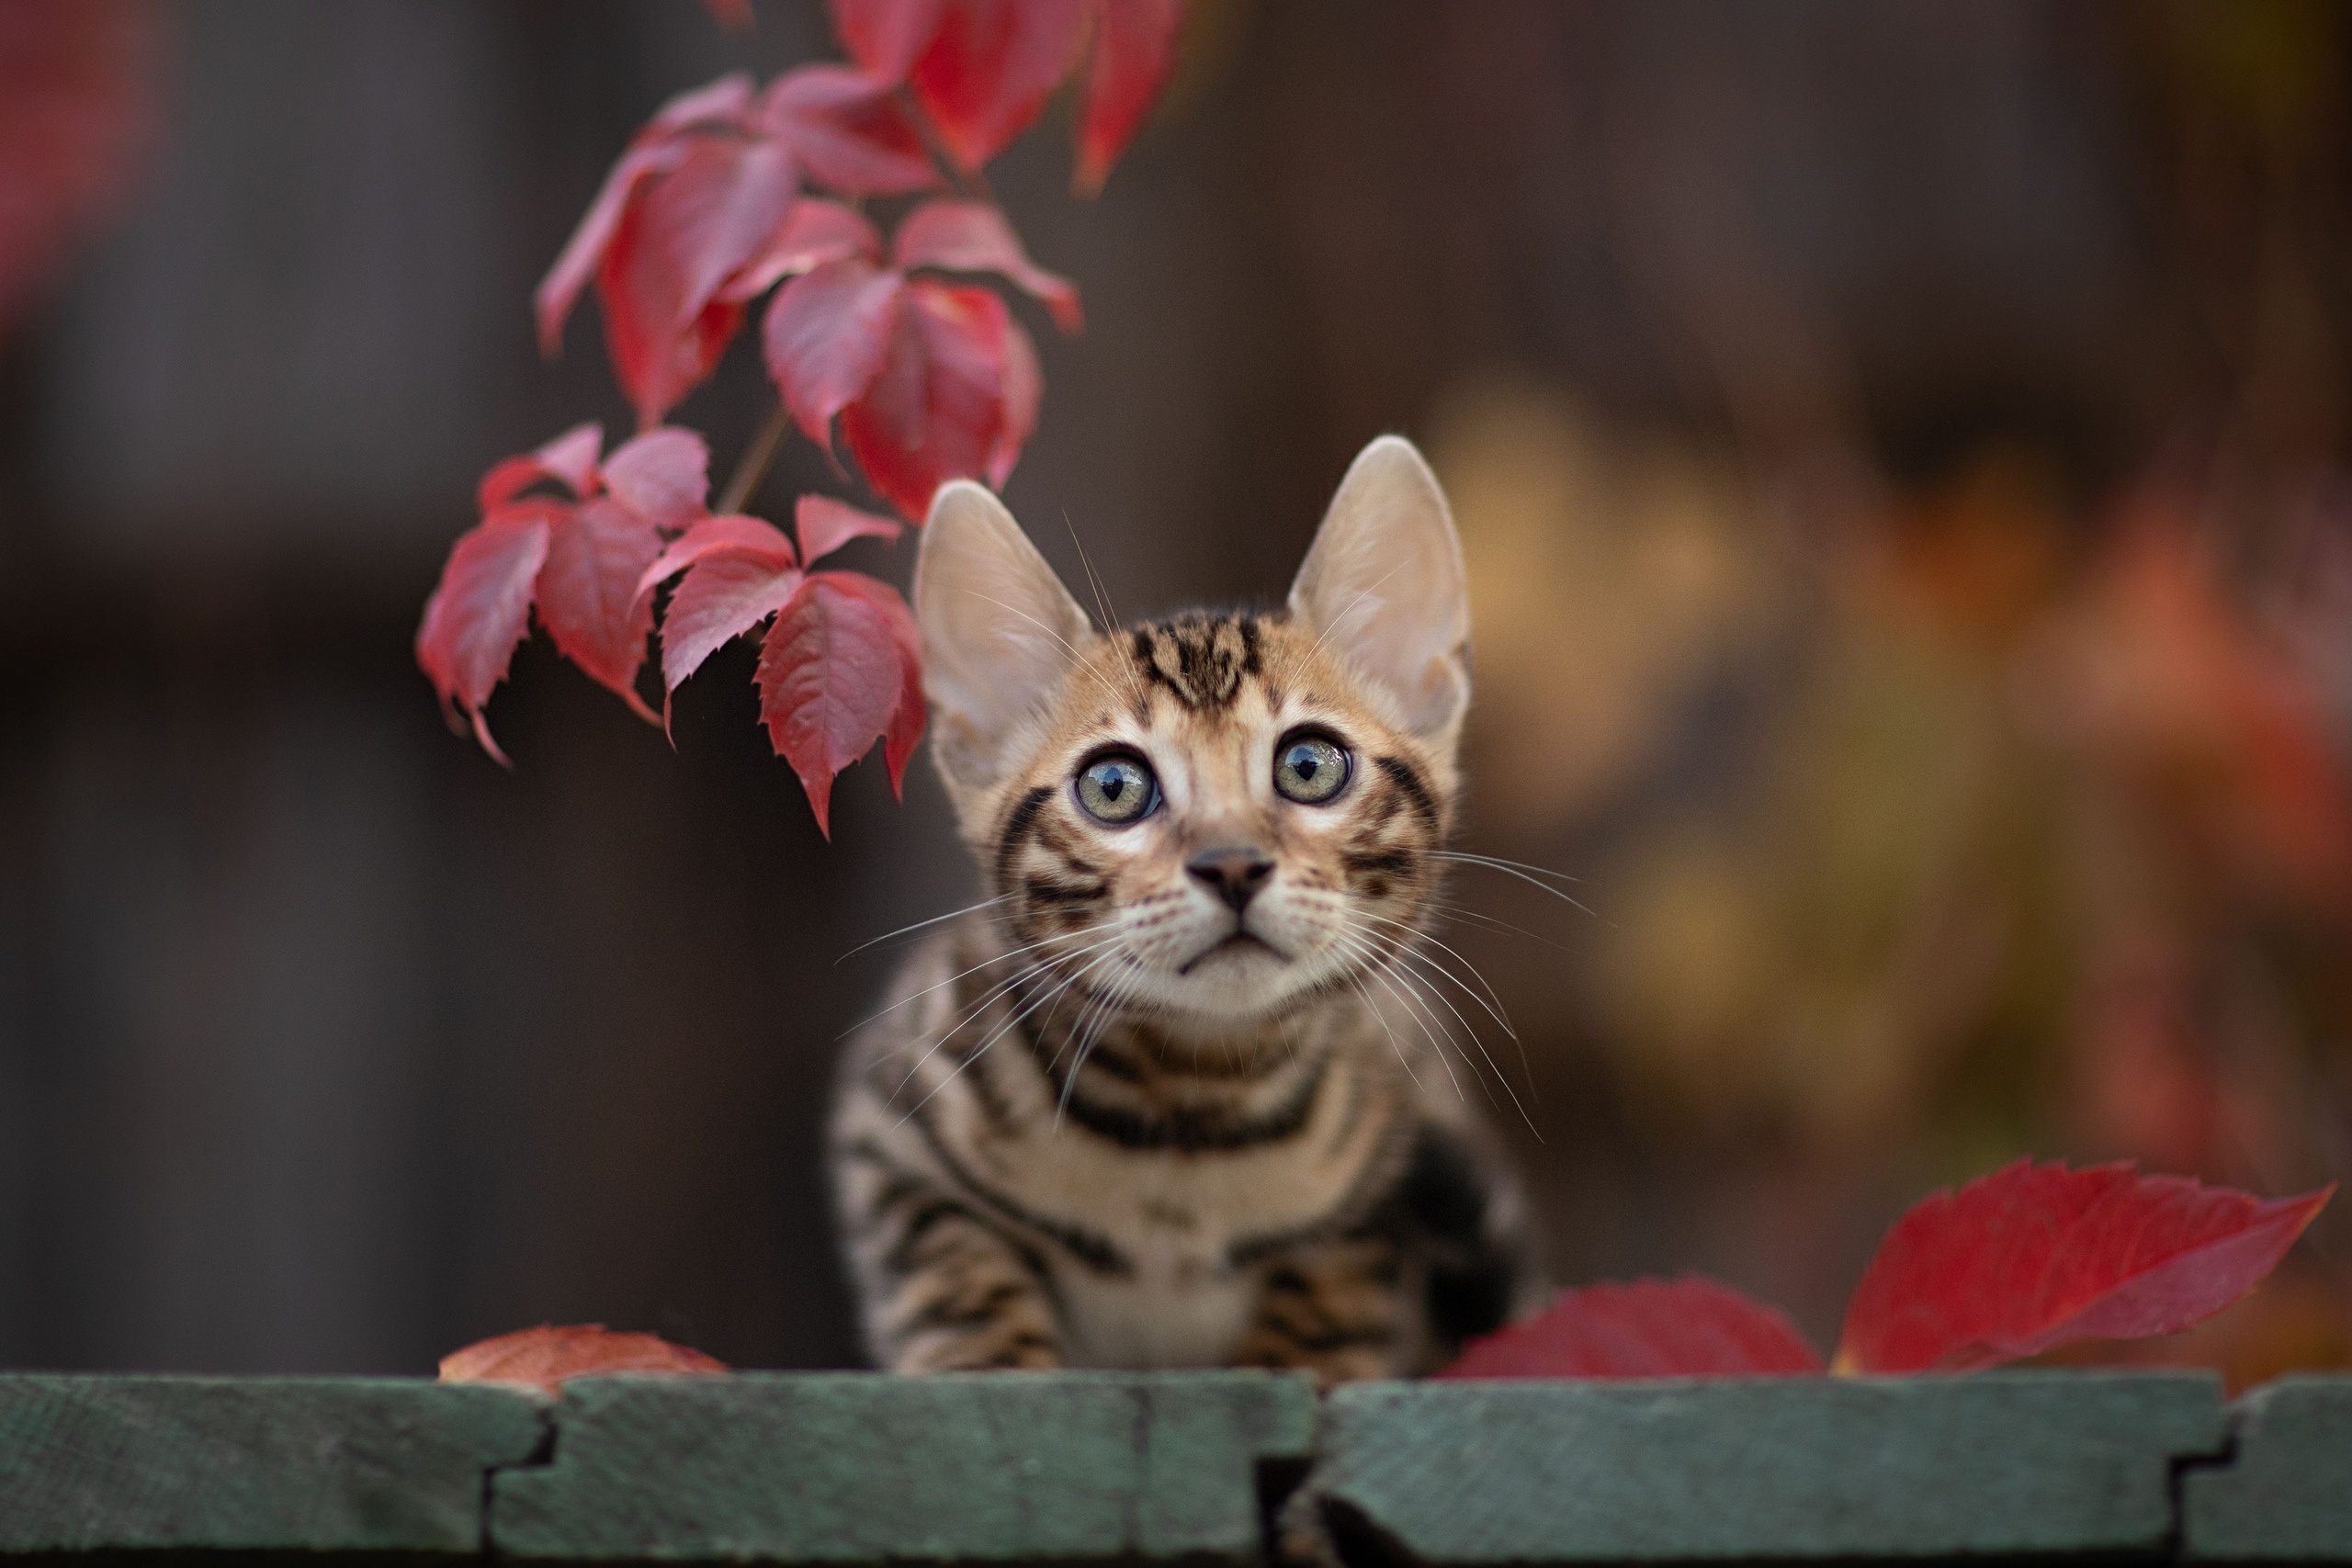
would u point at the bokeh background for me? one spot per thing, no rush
(1901, 450)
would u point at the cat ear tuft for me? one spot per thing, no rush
(1383, 587)
(999, 631)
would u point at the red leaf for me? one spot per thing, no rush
(75, 105)
(735, 16)
(1133, 42)
(847, 131)
(569, 459)
(829, 681)
(988, 68)
(723, 596)
(2033, 1256)
(827, 332)
(1023, 386)
(813, 233)
(653, 151)
(972, 236)
(885, 35)
(684, 235)
(663, 475)
(1651, 1328)
(907, 719)
(542, 1358)
(825, 525)
(731, 532)
(587, 592)
(936, 410)
(483, 607)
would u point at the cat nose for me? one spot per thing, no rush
(1233, 873)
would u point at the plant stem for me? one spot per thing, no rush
(756, 459)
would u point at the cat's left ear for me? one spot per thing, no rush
(1383, 586)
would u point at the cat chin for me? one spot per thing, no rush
(1236, 988)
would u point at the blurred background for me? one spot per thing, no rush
(1902, 454)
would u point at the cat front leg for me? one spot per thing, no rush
(1343, 1308)
(951, 1294)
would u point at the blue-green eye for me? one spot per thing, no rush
(1309, 769)
(1117, 788)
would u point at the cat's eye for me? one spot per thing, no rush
(1309, 769)
(1117, 788)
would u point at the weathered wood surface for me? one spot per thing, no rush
(342, 1464)
(2286, 1494)
(851, 1467)
(1994, 1465)
(1084, 1467)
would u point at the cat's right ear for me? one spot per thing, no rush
(999, 632)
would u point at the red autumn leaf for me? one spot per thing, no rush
(663, 475)
(73, 108)
(578, 558)
(986, 72)
(1650, 1328)
(830, 680)
(982, 69)
(936, 411)
(2034, 1256)
(1022, 386)
(885, 35)
(827, 335)
(814, 233)
(655, 149)
(544, 1357)
(735, 16)
(687, 231)
(847, 131)
(825, 525)
(569, 460)
(1133, 42)
(972, 236)
(900, 740)
(739, 571)
(587, 592)
(483, 607)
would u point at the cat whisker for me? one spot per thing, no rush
(1510, 868)
(1019, 976)
(995, 958)
(1375, 966)
(1359, 599)
(1500, 1077)
(1119, 991)
(918, 925)
(1381, 1019)
(998, 1033)
(1392, 964)
(1077, 658)
(1490, 1000)
(1487, 922)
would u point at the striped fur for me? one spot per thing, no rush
(1038, 1166)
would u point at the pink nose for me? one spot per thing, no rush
(1234, 873)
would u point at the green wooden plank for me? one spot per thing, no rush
(1527, 1473)
(852, 1467)
(246, 1463)
(2286, 1494)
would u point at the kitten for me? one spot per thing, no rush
(1165, 1100)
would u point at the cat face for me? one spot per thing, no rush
(1214, 817)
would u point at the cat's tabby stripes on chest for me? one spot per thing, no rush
(1162, 1100)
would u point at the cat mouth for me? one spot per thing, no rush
(1234, 943)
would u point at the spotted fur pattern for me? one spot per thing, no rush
(1109, 1121)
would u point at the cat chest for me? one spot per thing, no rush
(1178, 1298)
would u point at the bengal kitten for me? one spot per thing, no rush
(1170, 1098)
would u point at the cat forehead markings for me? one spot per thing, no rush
(1200, 660)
